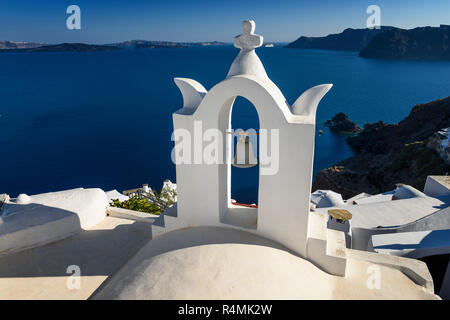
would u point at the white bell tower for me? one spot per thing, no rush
(203, 157)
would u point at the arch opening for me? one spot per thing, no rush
(244, 181)
(242, 184)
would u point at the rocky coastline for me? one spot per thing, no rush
(388, 154)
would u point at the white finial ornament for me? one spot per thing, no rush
(247, 62)
(248, 40)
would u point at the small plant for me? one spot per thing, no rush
(155, 203)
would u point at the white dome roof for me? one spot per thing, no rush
(224, 263)
(326, 198)
(23, 199)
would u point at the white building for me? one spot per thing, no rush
(404, 222)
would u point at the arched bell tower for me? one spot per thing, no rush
(202, 153)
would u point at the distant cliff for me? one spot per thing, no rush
(387, 154)
(12, 46)
(152, 45)
(348, 40)
(141, 44)
(427, 43)
(5, 44)
(65, 47)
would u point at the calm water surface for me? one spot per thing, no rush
(103, 119)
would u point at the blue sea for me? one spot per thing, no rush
(104, 119)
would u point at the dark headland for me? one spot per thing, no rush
(427, 43)
(424, 43)
(348, 40)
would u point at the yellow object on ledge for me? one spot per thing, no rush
(340, 214)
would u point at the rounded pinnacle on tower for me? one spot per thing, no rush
(247, 62)
(248, 40)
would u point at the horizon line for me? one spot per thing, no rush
(225, 42)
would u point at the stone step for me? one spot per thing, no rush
(165, 222)
(326, 247)
(157, 230)
(172, 211)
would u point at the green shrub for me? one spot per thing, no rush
(157, 205)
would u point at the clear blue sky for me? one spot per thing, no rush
(104, 21)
